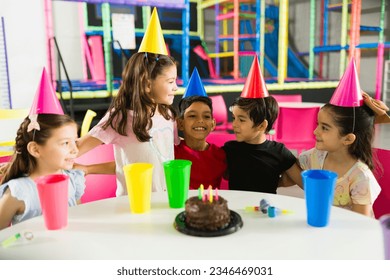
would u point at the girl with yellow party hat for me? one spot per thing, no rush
(140, 122)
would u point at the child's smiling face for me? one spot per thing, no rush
(327, 133)
(60, 150)
(197, 122)
(164, 86)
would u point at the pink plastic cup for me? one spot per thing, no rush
(53, 195)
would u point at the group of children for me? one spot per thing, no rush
(142, 125)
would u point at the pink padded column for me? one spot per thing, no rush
(96, 46)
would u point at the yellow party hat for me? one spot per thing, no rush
(153, 40)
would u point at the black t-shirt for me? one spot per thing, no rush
(257, 167)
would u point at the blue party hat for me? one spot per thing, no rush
(195, 86)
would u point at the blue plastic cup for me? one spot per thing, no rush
(319, 188)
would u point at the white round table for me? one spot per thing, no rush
(107, 230)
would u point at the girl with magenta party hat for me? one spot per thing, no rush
(140, 122)
(344, 138)
(45, 144)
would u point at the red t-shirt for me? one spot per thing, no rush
(207, 166)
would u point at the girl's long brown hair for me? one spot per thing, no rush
(140, 70)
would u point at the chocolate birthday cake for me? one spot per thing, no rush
(206, 215)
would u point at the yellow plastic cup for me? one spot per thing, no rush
(139, 186)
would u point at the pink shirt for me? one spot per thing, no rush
(207, 166)
(127, 149)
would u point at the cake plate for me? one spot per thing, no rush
(234, 225)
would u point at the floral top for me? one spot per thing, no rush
(357, 186)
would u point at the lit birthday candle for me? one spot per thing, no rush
(210, 194)
(200, 193)
(216, 194)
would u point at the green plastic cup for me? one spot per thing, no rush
(177, 176)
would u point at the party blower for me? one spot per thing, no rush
(266, 208)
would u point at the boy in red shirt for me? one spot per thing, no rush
(196, 122)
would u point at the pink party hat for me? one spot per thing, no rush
(255, 85)
(348, 92)
(45, 101)
(153, 40)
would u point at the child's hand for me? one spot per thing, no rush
(378, 107)
(81, 167)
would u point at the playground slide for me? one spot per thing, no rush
(295, 68)
(270, 66)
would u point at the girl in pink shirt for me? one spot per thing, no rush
(140, 122)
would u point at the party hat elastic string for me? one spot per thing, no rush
(265, 109)
(354, 119)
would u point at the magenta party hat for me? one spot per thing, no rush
(153, 40)
(255, 85)
(195, 86)
(45, 100)
(348, 92)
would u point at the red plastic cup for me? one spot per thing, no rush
(53, 195)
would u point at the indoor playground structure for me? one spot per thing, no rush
(241, 30)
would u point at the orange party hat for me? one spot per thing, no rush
(348, 92)
(153, 40)
(255, 85)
